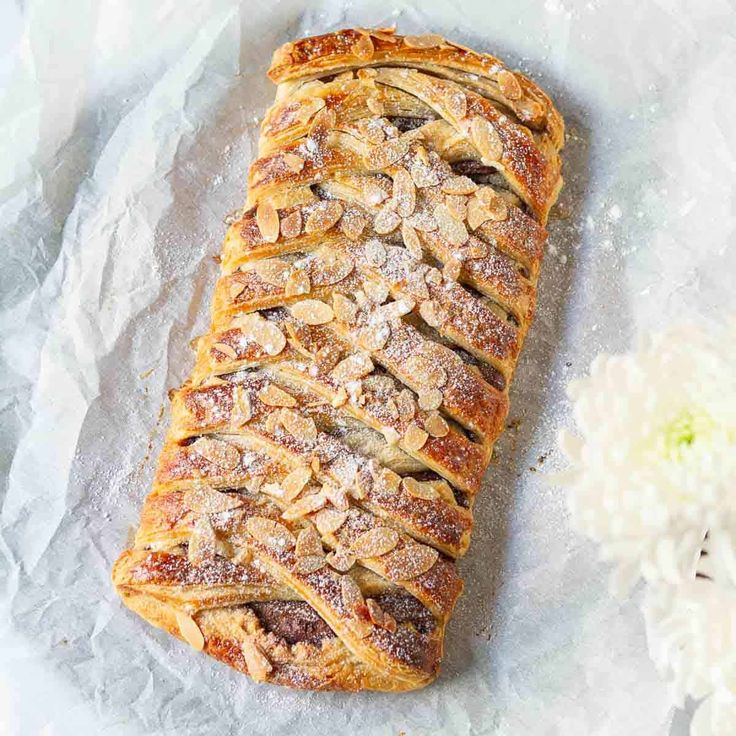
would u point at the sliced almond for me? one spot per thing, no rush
(351, 594)
(405, 405)
(236, 289)
(436, 425)
(363, 48)
(352, 368)
(387, 153)
(242, 409)
(509, 84)
(428, 312)
(423, 221)
(267, 219)
(430, 399)
(308, 543)
(333, 266)
(308, 108)
(258, 664)
(217, 452)
(386, 221)
(375, 105)
(375, 253)
(498, 209)
(352, 225)
(201, 547)
(297, 283)
(456, 102)
(293, 484)
(291, 225)
(324, 121)
(312, 312)
(411, 241)
(452, 269)
(425, 41)
(486, 139)
(299, 426)
(391, 436)
(293, 162)
(304, 506)
(452, 230)
(459, 185)
(478, 213)
(376, 291)
(423, 174)
(340, 398)
(375, 542)
(415, 438)
(273, 271)
(325, 215)
(190, 632)
(270, 532)
(457, 205)
(410, 561)
(308, 565)
(329, 521)
(374, 191)
(272, 395)
(344, 309)
(341, 559)
(387, 480)
(225, 349)
(426, 371)
(261, 331)
(374, 337)
(404, 193)
(415, 488)
(327, 357)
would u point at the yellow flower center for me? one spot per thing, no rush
(687, 428)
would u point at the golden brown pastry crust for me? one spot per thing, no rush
(318, 476)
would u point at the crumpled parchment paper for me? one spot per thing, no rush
(127, 129)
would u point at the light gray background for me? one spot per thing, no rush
(127, 129)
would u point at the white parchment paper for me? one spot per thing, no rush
(126, 129)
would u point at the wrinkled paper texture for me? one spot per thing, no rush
(127, 131)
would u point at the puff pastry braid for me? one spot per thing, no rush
(317, 480)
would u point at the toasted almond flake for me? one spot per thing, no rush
(298, 426)
(374, 191)
(361, 627)
(374, 337)
(236, 289)
(371, 129)
(498, 209)
(273, 271)
(351, 594)
(312, 312)
(254, 483)
(297, 283)
(293, 162)
(329, 521)
(352, 368)
(352, 225)
(325, 215)
(340, 398)
(386, 479)
(452, 230)
(390, 435)
(375, 105)
(259, 667)
(415, 488)
(272, 423)
(267, 219)
(375, 542)
(444, 491)
(509, 84)
(376, 291)
(428, 312)
(270, 532)
(452, 269)
(423, 221)
(272, 395)
(478, 213)
(217, 452)
(272, 489)
(333, 266)
(433, 276)
(459, 185)
(386, 221)
(427, 372)
(436, 425)
(336, 495)
(190, 632)
(366, 73)
(456, 102)
(425, 41)
(265, 333)
(242, 409)
(308, 543)
(327, 357)
(486, 139)
(304, 506)
(308, 108)
(423, 174)
(405, 405)
(391, 408)
(293, 483)
(404, 192)
(243, 556)
(375, 253)
(344, 308)
(387, 153)
(380, 617)
(322, 123)
(430, 399)
(411, 241)
(291, 225)
(363, 48)
(225, 349)
(308, 565)
(410, 561)
(414, 438)
(341, 559)
(529, 110)
(457, 205)
(201, 547)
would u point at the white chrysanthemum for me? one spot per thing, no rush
(691, 630)
(654, 461)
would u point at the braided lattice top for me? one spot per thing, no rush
(318, 476)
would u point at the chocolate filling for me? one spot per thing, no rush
(405, 123)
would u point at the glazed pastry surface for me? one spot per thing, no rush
(317, 480)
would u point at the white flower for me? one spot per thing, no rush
(653, 465)
(691, 630)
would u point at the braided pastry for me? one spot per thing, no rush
(318, 477)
